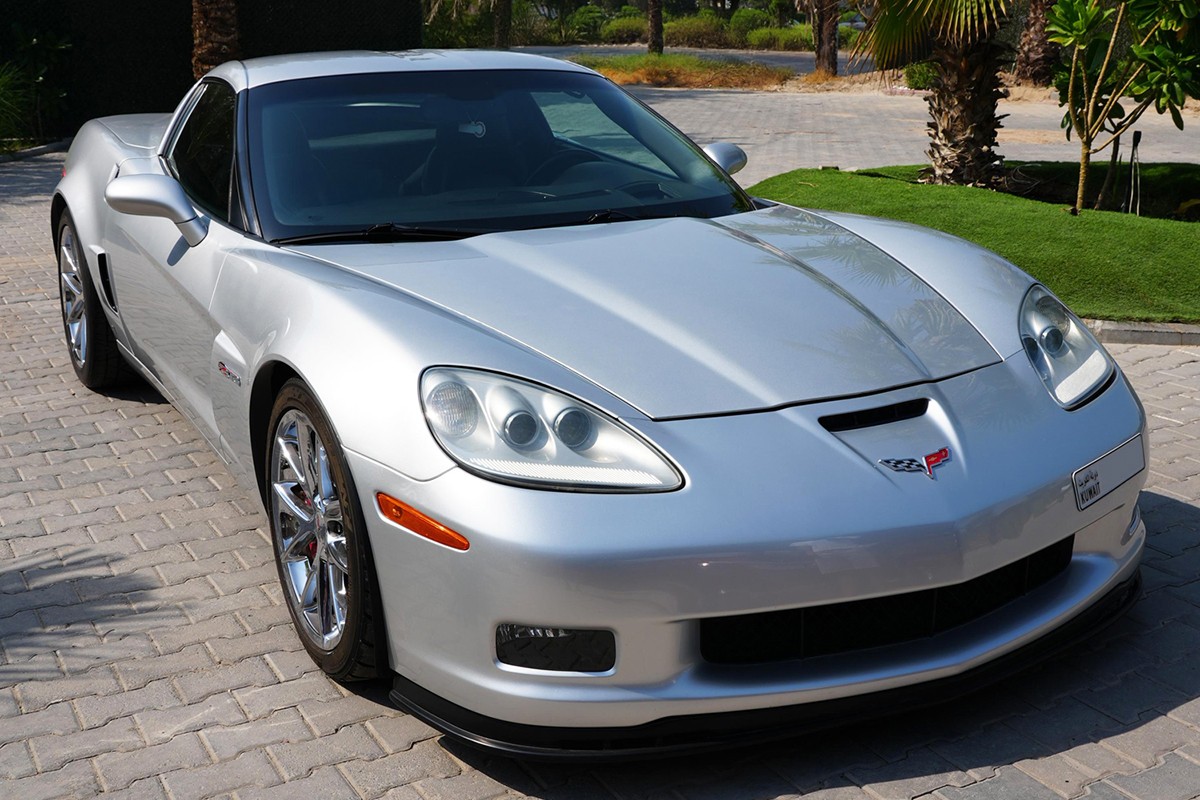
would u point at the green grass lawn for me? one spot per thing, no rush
(1103, 264)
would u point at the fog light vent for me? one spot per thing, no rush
(556, 649)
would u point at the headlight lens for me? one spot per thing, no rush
(518, 432)
(1068, 358)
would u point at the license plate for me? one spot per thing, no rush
(1108, 472)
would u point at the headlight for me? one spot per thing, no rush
(518, 432)
(1070, 361)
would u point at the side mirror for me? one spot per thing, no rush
(156, 196)
(726, 155)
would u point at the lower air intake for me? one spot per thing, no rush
(861, 624)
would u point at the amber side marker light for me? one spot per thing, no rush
(408, 517)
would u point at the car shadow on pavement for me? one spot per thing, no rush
(1113, 704)
(134, 390)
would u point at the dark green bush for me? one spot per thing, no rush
(624, 30)
(705, 30)
(631, 11)
(745, 20)
(919, 75)
(585, 22)
(797, 37)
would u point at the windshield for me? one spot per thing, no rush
(459, 153)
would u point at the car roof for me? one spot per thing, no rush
(273, 69)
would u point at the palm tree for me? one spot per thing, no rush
(214, 34)
(959, 38)
(1036, 54)
(654, 23)
(825, 18)
(502, 13)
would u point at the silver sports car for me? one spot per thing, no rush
(588, 449)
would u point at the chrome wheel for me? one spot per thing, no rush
(309, 532)
(74, 301)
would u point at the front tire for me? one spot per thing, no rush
(320, 537)
(90, 341)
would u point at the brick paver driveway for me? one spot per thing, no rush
(146, 653)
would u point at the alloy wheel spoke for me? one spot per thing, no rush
(70, 282)
(286, 492)
(289, 451)
(333, 604)
(326, 489)
(335, 550)
(309, 595)
(75, 312)
(297, 548)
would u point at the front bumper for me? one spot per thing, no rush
(693, 733)
(805, 519)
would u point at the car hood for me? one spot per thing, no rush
(687, 317)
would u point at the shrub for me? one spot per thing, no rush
(847, 37)
(919, 75)
(705, 30)
(585, 21)
(631, 11)
(14, 104)
(624, 30)
(745, 20)
(797, 37)
(530, 27)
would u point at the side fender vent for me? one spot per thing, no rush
(110, 298)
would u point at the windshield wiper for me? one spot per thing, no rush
(384, 232)
(610, 215)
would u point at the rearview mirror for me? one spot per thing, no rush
(727, 155)
(156, 196)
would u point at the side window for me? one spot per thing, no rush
(202, 155)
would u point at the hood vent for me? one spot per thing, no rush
(870, 417)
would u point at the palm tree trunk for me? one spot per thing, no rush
(1036, 54)
(962, 107)
(825, 29)
(502, 24)
(214, 34)
(655, 23)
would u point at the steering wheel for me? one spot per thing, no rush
(557, 164)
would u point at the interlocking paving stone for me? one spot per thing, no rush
(1008, 783)
(1176, 778)
(145, 652)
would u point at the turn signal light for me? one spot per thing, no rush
(408, 517)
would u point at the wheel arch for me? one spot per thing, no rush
(268, 382)
(58, 204)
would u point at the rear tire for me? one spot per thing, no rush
(320, 537)
(90, 341)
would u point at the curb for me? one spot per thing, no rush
(40, 150)
(1169, 333)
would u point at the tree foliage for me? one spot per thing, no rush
(1157, 66)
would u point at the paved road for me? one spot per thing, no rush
(145, 652)
(786, 130)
